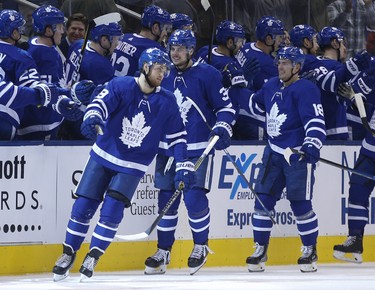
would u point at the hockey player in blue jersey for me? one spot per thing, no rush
(230, 38)
(95, 66)
(16, 66)
(135, 114)
(156, 24)
(202, 84)
(294, 118)
(360, 188)
(269, 34)
(42, 123)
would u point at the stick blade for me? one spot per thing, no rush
(133, 237)
(107, 18)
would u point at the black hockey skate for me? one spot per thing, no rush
(157, 263)
(89, 263)
(198, 257)
(308, 259)
(350, 251)
(256, 262)
(63, 264)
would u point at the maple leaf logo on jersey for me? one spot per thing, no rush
(274, 121)
(135, 131)
(183, 105)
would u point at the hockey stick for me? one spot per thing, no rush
(104, 19)
(206, 5)
(239, 171)
(289, 151)
(346, 91)
(147, 232)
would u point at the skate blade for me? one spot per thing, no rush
(155, 271)
(83, 278)
(256, 267)
(57, 277)
(348, 257)
(308, 268)
(194, 270)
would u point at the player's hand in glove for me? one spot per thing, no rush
(365, 82)
(92, 124)
(250, 69)
(233, 75)
(185, 175)
(311, 153)
(48, 93)
(310, 75)
(225, 132)
(82, 92)
(67, 108)
(359, 62)
(345, 90)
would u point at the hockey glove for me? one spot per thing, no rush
(185, 175)
(345, 91)
(233, 75)
(67, 108)
(359, 62)
(365, 82)
(250, 68)
(311, 153)
(82, 91)
(225, 132)
(310, 75)
(92, 124)
(48, 93)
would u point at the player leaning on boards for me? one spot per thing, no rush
(294, 118)
(134, 114)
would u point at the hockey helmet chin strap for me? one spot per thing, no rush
(147, 77)
(106, 50)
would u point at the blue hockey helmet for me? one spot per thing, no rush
(154, 56)
(293, 53)
(300, 32)
(154, 14)
(329, 33)
(268, 25)
(181, 21)
(182, 38)
(227, 29)
(9, 21)
(47, 15)
(110, 29)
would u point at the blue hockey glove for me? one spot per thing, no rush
(48, 93)
(359, 62)
(82, 91)
(365, 82)
(233, 75)
(67, 108)
(250, 68)
(92, 124)
(225, 132)
(185, 174)
(311, 153)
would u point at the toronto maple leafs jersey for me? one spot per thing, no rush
(16, 97)
(16, 66)
(41, 123)
(135, 124)
(331, 74)
(218, 60)
(94, 66)
(294, 114)
(126, 55)
(201, 83)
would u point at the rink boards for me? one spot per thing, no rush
(37, 182)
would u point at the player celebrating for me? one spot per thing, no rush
(293, 119)
(135, 114)
(202, 84)
(156, 24)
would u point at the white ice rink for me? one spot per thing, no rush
(328, 277)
